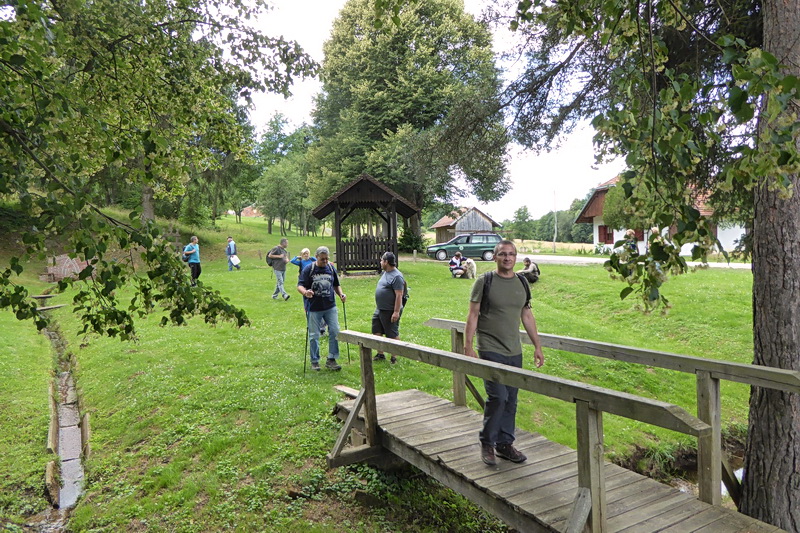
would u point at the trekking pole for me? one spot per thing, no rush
(344, 310)
(305, 351)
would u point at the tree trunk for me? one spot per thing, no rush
(771, 485)
(148, 207)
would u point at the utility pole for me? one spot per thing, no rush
(555, 222)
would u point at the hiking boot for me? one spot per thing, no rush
(332, 365)
(274, 296)
(314, 366)
(393, 360)
(508, 452)
(286, 297)
(487, 454)
(379, 357)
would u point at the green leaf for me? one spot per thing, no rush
(624, 293)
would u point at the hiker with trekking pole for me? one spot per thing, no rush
(319, 283)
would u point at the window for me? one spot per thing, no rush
(478, 239)
(605, 235)
(461, 239)
(493, 239)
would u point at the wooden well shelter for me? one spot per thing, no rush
(363, 252)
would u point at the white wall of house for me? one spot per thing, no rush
(618, 236)
(726, 237)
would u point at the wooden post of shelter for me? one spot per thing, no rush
(363, 252)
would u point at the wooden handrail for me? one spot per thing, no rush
(761, 376)
(590, 402)
(653, 412)
(713, 467)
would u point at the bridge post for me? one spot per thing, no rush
(459, 378)
(368, 386)
(591, 462)
(709, 447)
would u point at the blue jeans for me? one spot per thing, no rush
(500, 412)
(280, 275)
(315, 318)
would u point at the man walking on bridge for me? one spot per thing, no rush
(495, 315)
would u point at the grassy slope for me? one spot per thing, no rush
(198, 429)
(26, 363)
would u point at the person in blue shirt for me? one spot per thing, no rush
(230, 251)
(319, 283)
(193, 251)
(302, 261)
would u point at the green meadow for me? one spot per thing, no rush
(202, 428)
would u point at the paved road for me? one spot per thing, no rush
(595, 260)
(546, 259)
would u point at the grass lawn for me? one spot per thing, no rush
(26, 365)
(202, 429)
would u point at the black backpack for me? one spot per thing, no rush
(487, 284)
(270, 260)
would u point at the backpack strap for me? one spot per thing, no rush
(487, 284)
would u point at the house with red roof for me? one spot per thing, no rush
(604, 235)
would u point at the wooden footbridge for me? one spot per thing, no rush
(557, 488)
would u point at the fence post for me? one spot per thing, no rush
(709, 447)
(590, 461)
(459, 383)
(368, 385)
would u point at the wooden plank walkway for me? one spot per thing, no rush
(441, 439)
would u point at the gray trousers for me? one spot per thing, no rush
(280, 275)
(500, 412)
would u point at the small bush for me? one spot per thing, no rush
(410, 241)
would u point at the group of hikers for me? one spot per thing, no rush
(499, 302)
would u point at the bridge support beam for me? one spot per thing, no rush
(591, 462)
(709, 446)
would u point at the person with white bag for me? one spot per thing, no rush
(233, 258)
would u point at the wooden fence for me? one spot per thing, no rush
(590, 402)
(713, 466)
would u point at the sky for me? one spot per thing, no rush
(539, 182)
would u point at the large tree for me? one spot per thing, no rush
(700, 96)
(144, 89)
(414, 104)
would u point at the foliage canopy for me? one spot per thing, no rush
(145, 92)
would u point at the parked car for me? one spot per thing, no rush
(480, 245)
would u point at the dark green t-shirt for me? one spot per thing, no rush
(498, 331)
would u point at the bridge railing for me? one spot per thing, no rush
(713, 466)
(591, 402)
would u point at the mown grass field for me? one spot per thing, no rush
(210, 429)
